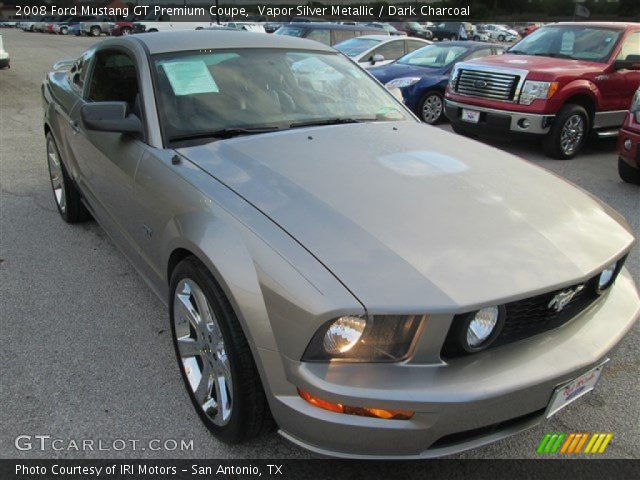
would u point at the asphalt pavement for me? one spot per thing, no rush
(85, 347)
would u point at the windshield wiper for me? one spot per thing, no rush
(228, 132)
(553, 55)
(330, 121)
(517, 52)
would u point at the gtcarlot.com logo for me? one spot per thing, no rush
(574, 443)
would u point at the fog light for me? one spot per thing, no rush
(606, 277)
(361, 411)
(524, 123)
(343, 334)
(482, 326)
(628, 144)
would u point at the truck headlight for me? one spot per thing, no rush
(381, 338)
(533, 90)
(402, 82)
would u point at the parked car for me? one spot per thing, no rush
(422, 76)
(413, 29)
(377, 50)
(246, 26)
(5, 61)
(98, 26)
(74, 29)
(271, 27)
(327, 33)
(391, 30)
(327, 260)
(629, 144)
(452, 31)
(500, 33)
(559, 83)
(479, 35)
(117, 29)
(41, 25)
(62, 27)
(163, 23)
(529, 29)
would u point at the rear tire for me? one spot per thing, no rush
(234, 413)
(628, 173)
(65, 193)
(568, 133)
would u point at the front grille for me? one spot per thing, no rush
(533, 315)
(492, 85)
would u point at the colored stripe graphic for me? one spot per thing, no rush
(573, 443)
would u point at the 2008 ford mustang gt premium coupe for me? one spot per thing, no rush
(378, 287)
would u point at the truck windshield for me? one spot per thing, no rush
(570, 41)
(227, 92)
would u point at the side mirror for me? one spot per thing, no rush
(632, 62)
(110, 117)
(377, 58)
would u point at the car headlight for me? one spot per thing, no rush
(381, 338)
(477, 330)
(533, 90)
(607, 276)
(402, 82)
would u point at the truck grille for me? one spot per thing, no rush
(492, 85)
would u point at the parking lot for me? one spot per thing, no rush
(85, 348)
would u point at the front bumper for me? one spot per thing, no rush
(499, 121)
(462, 404)
(630, 155)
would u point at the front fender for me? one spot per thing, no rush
(578, 87)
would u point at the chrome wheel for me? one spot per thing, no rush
(56, 176)
(572, 134)
(432, 108)
(202, 352)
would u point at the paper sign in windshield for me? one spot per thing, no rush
(190, 77)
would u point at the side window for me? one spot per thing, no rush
(631, 46)
(479, 53)
(391, 50)
(322, 36)
(342, 35)
(114, 79)
(412, 45)
(78, 72)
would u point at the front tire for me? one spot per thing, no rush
(431, 108)
(628, 173)
(65, 194)
(214, 357)
(568, 133)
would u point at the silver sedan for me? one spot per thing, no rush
(378, 287)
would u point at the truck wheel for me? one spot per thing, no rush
(95, 31)
(431, 108)
(628, 173)
(568, 133)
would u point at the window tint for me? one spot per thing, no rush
(114, 79)
(631, 46)
(322, 36)
(391, 50)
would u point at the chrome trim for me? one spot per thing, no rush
(607, 133)
(486, 69)
(614, 118)
(539, 124)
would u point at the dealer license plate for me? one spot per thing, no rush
(569, 392)
(470, 116)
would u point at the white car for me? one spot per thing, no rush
(377, 50)
(500, 33)
(4, 56)
(163, 23)
(247, 26)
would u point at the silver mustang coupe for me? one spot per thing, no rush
(377, 287)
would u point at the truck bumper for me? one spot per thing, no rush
(629, 147)
(462, 404)
(499, 121)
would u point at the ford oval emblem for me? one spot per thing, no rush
(480, 84)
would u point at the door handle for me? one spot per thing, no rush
(74, 126)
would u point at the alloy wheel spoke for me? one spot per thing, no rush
(189, 347)
(203, 391)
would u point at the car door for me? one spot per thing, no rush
(630, 51)
(108, 160)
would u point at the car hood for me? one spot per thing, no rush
(548, 66)
(397, 70)
(411, 218)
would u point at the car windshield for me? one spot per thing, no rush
(573, 42)
(433, 56)
(203, 94)
(355, 46)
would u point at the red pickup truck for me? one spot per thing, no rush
(561, 82)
